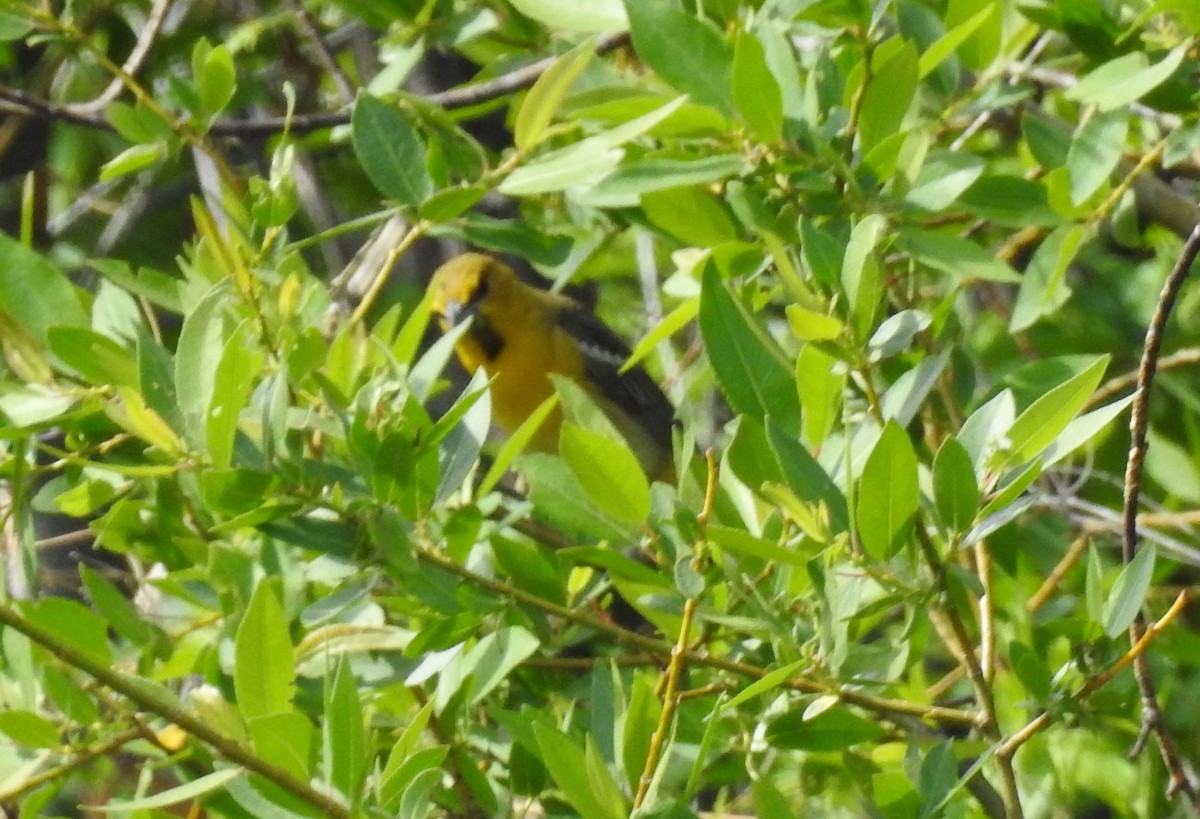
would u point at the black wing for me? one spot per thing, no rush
(634, 391)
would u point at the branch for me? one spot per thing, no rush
(1139, 420)
(1011, 745)
(662, 649)
(151, 698)
(18, 102)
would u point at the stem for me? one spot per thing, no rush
(679, 652)
(151, 698)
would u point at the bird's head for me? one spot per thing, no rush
(470, 285)
(478, 288)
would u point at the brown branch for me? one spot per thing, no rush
(660, 648)
(1114, 386)
(1152, 723)
(670, 694)
(1011, 745)
(150, 698)
(953, 631)
(149, 31)
(18, 102)
(73, 764)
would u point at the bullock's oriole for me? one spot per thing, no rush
(521, 335)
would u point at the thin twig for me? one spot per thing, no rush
(16, 101)
(660, 648)
(148, 33)
(308, 28)
(1054, 580)
(1139, 420)
(987, 610)
(151, 698)
(950, 626)
(670, 694)
(81, 758)
(1115, 386)
(1042, 720)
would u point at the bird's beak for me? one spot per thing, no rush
(453, 313)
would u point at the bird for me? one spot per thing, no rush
(521, 335)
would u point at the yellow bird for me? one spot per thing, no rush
(521, 335)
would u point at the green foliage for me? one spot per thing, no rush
(884, 257)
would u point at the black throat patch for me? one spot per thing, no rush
(486, 337)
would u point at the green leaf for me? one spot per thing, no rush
(236, 372)
(750, 372)
(188, 792)
(583, 163)
(28, 729)
(197, 357)
(694, 215)
(137, 123)
(904, 399)
(264, 664)
(888, 96)
(689, 54)
(944, 177)
(398, 779)
(98, 359)
(580, 165)
(609, 472)
(217, 80)
(494, 657)
(962, 260)
(1048, 140)
(983, 46)
(955, 491)
(808, 325)
(70, 698)
(545, 97)
(949, 42)
(592, 17)
(1095, 598)
(1031, 670)
(283, 739)
(895, 334)
(33, 405)
(576, 777)
(805, 477)
(938, 776)
(860, 274)
(74, 624)
(831, 730)
(1038, 426)
(1004, 497)
(768, 682)
(34, 292)
(756, 94)
(1129, 592)
(888, 493)
(671, 323)
(14, 26)
(739, 541)
(1044, 288)
(116, 608)
(1094, 153)
(820, 380)
(559, 499)
(451, 202)
(133, 159)
(391, 150)
(1083, 429)
(1126, 79)
(346, 753)
(655, 173)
